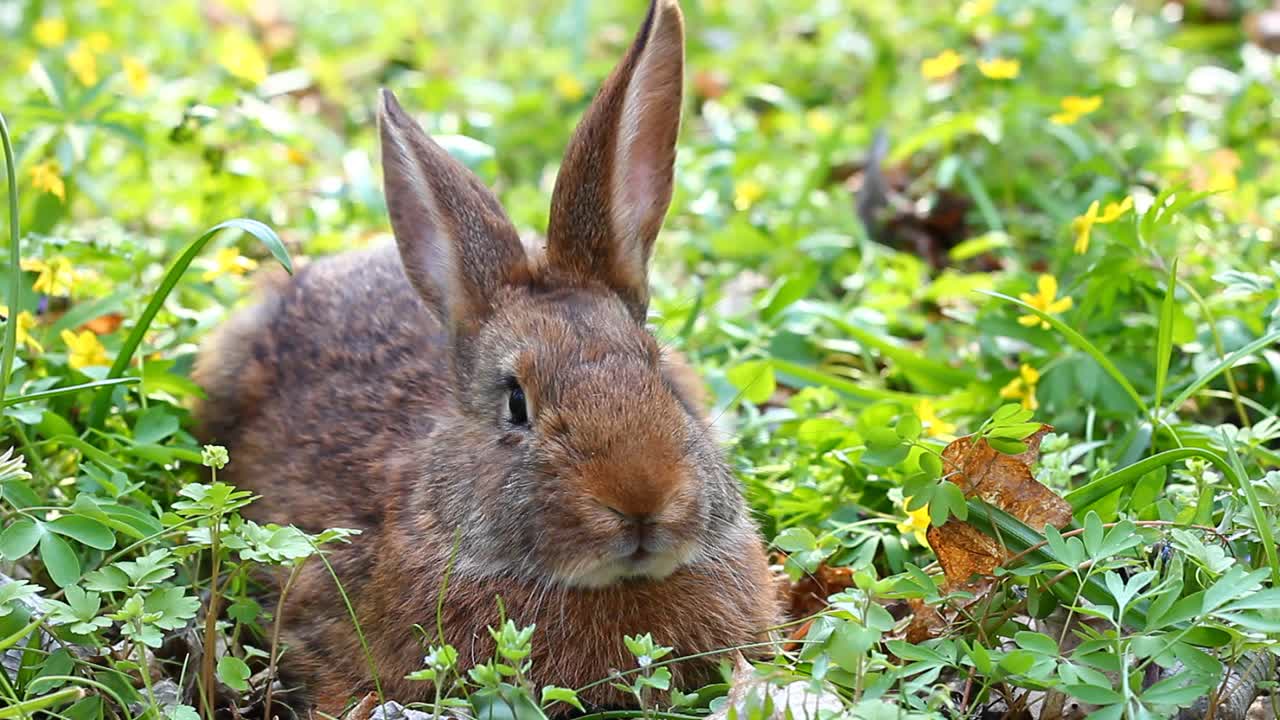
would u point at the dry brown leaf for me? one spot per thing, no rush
(104, 324)
(968, 556)
(926, 622)
(1005, 481)
(809, 594)
(964, 551)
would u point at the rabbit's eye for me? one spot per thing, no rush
(516, 405)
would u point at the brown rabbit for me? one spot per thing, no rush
(460, 393)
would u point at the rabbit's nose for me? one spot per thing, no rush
(640, 527)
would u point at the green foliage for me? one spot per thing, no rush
(1107, 267)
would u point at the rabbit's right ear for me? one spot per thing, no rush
(456, 243)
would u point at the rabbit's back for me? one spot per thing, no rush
(318, 387)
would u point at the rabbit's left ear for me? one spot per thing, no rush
(615, 183)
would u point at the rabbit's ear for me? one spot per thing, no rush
(615, 182)
(456, 243)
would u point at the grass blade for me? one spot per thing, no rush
(56, 392)
(1080, 343)
(266, 235)
(817, 377)
(1086, 495)
(907, 358)
(15, 263)
(1164, 340)
(1225, 363)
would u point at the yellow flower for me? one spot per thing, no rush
(819, 121)
(56, 276)
(746, 193)
(1000, 68)
(1083, 225)
(44, 176)
(1023, 387)
(83, 350)
(26, 321)
(135, 73)
(1221, 176)
(50, 31)
(98, 41)
(83, 65)
(240, 55)
(229, 261)
(917, 522)
(569, 87)
(942, 65)
(976, 9)
(934, 426)
(1046, 301)
(1074, 108)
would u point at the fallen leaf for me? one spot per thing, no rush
(965, 551)
(799, 699)
(104, 324)
(809, 594)
(926, 622)
(1005, 481)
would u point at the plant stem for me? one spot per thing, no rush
(275, 638)
(211, 619)
(15, 264)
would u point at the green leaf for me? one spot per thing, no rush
(1036, 643)
(1094, 694)
(754, 379)
(794, 540)
(155, 425)
(909, 427)
(85, 530)
(233, 672)
(1080, 343)
(1171, 691)
(59, 560)
(1229, 361)
(268, 237)
(20, 538)
(1164, 335)
(173, 606)
(551, 694)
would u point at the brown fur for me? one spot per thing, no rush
(371, 391)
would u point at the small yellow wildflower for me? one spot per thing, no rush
(98, 41)
(819, 121)
(240, 55)
(136, 75)
(1074, 108)
(917, 522)
(1083, 225)
(934, 426)
(83, 64)
(26, 321)
(569, 87)
(50, 31)
(975, 9)
(1221, 175)
(229, 261)
(1046, 301)
(1023, 387)
(56, 276)
(83, 350)
(44, 176)
(1000, 68)
(746, 193)
(942, 65)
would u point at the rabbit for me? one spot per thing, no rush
(496, 420)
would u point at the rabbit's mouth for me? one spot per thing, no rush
(640, 564)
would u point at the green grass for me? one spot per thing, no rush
(837, 356)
